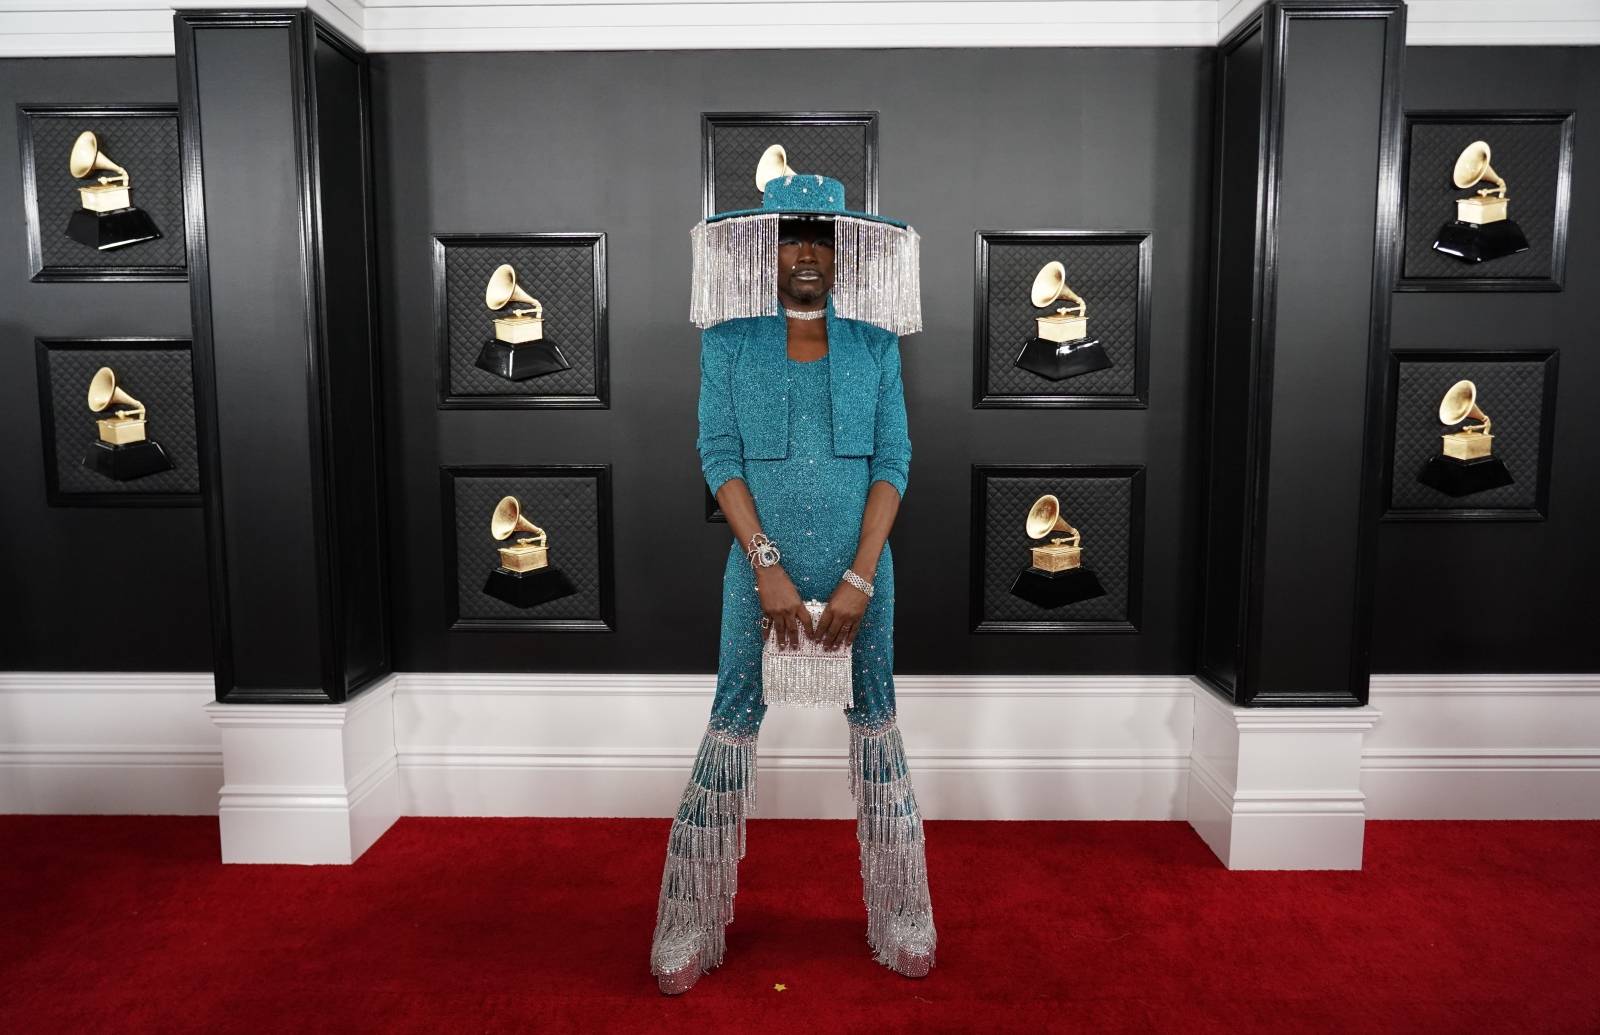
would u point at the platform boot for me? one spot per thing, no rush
(701, 874)
(894, 872)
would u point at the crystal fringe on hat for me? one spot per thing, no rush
(876, 278)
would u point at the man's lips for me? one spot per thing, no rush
(806, 275)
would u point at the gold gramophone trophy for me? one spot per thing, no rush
(1062, 347)
(122, 451)
(519, 350)
(1465, 462)
(1482, 229)
(1057, 576)
(525, 576)
(107, 217)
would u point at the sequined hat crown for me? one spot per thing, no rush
(876, 258)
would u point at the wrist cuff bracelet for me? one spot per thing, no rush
(763, 552)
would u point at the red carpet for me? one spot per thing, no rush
(129, 924)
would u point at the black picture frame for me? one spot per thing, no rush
(1555, 280)
(1540, 511)
(605, 621)
(981, 473)
(40, 270)
(54, 495)
(713, 121)
(1065, 397)
(600, 399)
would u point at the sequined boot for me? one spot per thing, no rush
(701, 874)
(894, 873)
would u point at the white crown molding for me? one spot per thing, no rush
(63, 28)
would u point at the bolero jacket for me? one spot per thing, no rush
(744, 413)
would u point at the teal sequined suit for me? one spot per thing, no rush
(810, 488)
(810, 503)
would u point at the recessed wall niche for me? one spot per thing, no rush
(118, 422)
(1106, 280)
(521, 320)
(102, 192)
(843, 145)
(1102, 511)
(1517, 242)
(543, 562)
(1440, 466)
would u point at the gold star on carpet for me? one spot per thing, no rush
(779, 987)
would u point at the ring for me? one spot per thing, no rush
(765, 621)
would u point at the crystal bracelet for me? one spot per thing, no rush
(858, 582)
(763, 552)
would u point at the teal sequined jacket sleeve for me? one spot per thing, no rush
(891, 441)
(721, 450)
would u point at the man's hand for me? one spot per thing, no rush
(782, 606)
(841, 619)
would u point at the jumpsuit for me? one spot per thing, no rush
(811, 503)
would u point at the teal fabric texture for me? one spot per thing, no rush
(809, 439)
(744, 415)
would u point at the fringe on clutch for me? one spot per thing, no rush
(808, 676)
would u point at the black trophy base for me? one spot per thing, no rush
(115, 229)
(1060, 360)
(1057, 588)
(1480, 242)
(1464, 477)
(527, 588)
(521, 362)
(127, 462)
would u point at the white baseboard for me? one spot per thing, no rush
(307, 784)
(108, 742)
(1484, 747)
(981, 747)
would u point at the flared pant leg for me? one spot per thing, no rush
(894, 870)
(704, 847)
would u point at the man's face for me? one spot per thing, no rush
(805, 261)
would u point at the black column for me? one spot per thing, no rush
(1306, 200)
(273, 109)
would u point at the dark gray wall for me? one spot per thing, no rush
(1003, 139)
(1512, 596)
(89, 588)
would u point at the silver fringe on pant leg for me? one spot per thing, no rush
(894, 872)
(704, 847)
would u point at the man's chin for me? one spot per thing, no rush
(803, 292)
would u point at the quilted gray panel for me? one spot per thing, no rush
(1100, 507)
(566, 507)
(161, 378)
(1526, 155)
(146, 146)
(561, 275)
(1511, 392)
(1105, 274)
(836, 151)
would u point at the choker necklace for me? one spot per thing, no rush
(804, 314)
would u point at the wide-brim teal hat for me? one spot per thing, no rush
(876, 259)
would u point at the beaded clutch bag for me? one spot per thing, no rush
(808, 676)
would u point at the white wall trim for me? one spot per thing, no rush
(1449, 746)
(1581, 684)
(1484, 747)
(61, 28)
